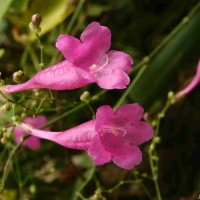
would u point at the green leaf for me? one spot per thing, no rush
(161, 71)
(52, 12)
(4, 5)
(19, 6)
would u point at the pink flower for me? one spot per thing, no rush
(88, 60)
(32, 142)
(192, 85)
(113, 135)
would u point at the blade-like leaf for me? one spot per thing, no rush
(4, 5)
(157, 78)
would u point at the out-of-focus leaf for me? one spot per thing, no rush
(52, 12)
(8, 195)
(19, 6)
(96, 9)
(4, 5)
(2, 51)
(158, 77)
(80, 183)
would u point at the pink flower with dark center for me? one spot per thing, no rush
(88, 60)
(192, 85)
(113, 135)
(32, 142)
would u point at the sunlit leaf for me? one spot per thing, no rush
(4, 5)
(52, 15)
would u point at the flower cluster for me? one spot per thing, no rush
(114, 134)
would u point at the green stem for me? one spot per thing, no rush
(125, 94)
(38, 108)
(141, 184)
(75, 16)
(41, 47)
(10, 157)
(154, 174)
(89, 178)
(73, 110)
(80, 106)
(117, 186)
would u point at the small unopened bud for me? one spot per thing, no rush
(3, 140)
(171, 97)
(35, 23)
(85, 97)
(15, 118)
(18, 76)
(6, 107)
(157, 139)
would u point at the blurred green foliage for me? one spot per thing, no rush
(138, 28)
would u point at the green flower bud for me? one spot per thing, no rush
(85, 97)
(18, 76)
(34, 25)
(6, 107)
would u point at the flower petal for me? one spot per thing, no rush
(130, 112)
(32, 142)
(66, 44)
(128, 158)
(138, 132)
(194, 83)
(97, 152)
(119, 60)
(103, 115)
(62, 76)
(36, 122)
(111, 79)
(95, 42)
(79, 137)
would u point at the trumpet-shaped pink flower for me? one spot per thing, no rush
(88, 60)
(113, 135)
(32, 142)
(192, 85)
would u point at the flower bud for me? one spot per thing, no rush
(15, 119)
(6, 107)
(18, 76)
(171, 97)
(35, 23)
(85, 97)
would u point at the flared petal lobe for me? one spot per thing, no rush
(128, 158)
(111, 79)
(94, 42)
(119, 60)
(98, 153)
(121, 131)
